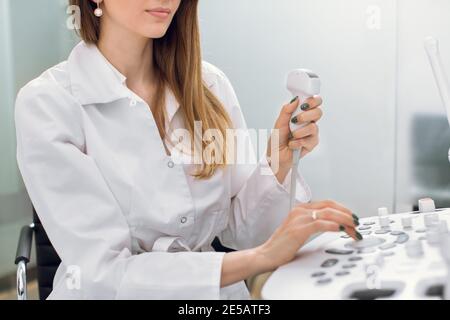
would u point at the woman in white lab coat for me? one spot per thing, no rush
(128, 211)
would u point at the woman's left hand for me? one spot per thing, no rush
(306, 138)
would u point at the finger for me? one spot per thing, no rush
(321, 226)
(311, 103)
(352, 232)
(308, 143)
(326, 214)
(306, 131)
(286, 113)
(337, 216)
(329, 204)
(313, 115)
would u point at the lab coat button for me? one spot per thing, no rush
(133, 102)
(183, 220)
(170, 164)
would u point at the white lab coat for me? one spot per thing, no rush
(126, 220)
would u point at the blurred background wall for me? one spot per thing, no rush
(384, 137)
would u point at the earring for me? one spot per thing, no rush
(98, 12)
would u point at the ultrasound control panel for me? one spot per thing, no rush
(402, 256)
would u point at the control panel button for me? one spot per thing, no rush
(329, 263)
(383, 212)
(365, 243)
(318, 274)
(402, 238)
(414, 249)
(407, 222)
(430, 219)
(385, 222)
(324, 281)
(426, 205)
(433, 236)
(354, 259)
(339, 251)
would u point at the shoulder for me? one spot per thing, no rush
(212, 75)
(47, 100)
(220, 85)
(51, 87)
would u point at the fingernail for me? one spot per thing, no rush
(341, 228)
(359, 236)
(294, 120)
(356, 221)
(355, 216)
(293, 100)
(305, 106)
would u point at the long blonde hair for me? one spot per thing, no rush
(178, 64)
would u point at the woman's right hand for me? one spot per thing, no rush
(300, 225)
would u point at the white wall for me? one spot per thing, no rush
(422, 164)
(257, 42)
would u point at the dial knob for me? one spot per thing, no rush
(426, 205)
(430, 219)
(414, 249)
(407, 222)
(383, 214)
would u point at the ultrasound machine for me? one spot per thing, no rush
(402, 256)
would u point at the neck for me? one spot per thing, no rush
(129, 53)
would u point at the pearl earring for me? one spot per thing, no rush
(98, 12)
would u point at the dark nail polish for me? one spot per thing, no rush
(341, 228)
(294, 120)
(293, 100)
(359, 236)
(305, 106)
(356, 221)
(355, 217)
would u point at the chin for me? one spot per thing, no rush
(155, 32)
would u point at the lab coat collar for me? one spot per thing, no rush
(94, 80)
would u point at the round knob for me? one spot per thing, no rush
(414, 248)
(407, 222)
(426, 205)
(430, 219)
(383, 212)
(433, 236)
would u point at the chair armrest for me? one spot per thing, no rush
(24, 245)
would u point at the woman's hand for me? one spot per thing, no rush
(282, 247)
(306, 138)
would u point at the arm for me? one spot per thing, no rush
(84, 221)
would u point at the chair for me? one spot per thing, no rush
(47, 260)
